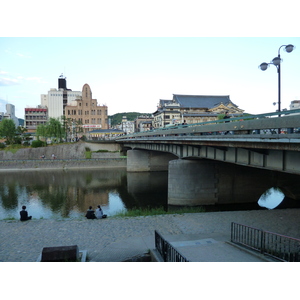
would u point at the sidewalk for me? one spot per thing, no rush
(212, 248)
(196, 248)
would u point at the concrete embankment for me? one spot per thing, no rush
(62, 164)
(68, 156)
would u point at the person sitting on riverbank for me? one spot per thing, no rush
(90, 213)
(99, 213)
(24, 214)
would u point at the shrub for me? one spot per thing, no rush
(2, 145)
(38, 143)
(88, 154)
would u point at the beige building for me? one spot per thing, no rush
(86, 111)
(35, 116)
(191, 109)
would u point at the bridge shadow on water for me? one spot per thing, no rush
(285, 203)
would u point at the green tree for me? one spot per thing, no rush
(8, 130)
(20, 132)
(53, 129)
(41, 131)
(71, 127)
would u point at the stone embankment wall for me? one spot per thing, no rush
(67, 156)
(63, 164)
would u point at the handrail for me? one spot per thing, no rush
(250, 123)
(167, 251)
(276, 245)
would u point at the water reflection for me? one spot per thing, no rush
(67, 194)
(271, 198)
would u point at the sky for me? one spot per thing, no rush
(132, 70)
(133, 73)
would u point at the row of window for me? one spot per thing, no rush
(93, 121)
(36, 113)
(36, 117)
(86, 112)
(34, 123)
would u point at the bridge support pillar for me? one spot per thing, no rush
(205, 182)
(147, 161)
(192, 182)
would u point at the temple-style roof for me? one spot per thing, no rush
(201, 101)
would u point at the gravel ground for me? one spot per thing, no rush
(116, 239)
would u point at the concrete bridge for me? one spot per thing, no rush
(217, 162)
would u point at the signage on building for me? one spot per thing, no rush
(92, 126)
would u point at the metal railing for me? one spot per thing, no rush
(250, 124)
(268, 243)
(167, 251)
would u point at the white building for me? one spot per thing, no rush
(295, 104)
(57, 99)
(10, 114)
(127, 126)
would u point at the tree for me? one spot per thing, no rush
(20, 133)
(41, 130)
(71, 127)
(8, 130)
(53, 129)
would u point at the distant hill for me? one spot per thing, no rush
(131, 116)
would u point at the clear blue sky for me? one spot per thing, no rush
(133, 73)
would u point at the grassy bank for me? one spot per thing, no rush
(136, 212)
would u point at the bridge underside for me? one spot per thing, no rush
(208, 176)
(268, 159)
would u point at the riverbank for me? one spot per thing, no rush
(117, 239)
(63, 164)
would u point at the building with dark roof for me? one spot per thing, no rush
(193, 109)
(104, 134)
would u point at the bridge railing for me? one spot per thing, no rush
(279, 246)
(167, 251)
(244, 124)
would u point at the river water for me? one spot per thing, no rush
(57, 194)
(68, 194)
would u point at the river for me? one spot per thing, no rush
(68, 194)
(57, 194)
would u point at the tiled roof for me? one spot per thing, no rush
(200, 101)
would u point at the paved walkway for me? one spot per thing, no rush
(117, 239)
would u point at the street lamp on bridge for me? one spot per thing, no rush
(276, 62)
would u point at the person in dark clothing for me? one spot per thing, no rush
(90, 213)
(226, 117)
(24, 214)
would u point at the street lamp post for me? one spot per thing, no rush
(277, 62)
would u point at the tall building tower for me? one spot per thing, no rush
(62, 82)
(10, 114)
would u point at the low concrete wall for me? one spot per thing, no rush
(104, 145)
(61, 151)
(106, 155)
(62, 164)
